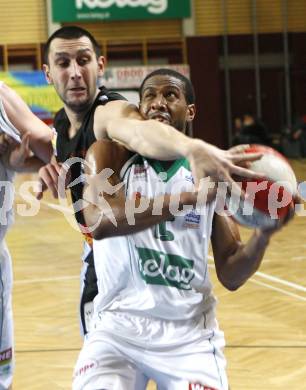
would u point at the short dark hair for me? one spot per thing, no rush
(71, 32)
(188, 88)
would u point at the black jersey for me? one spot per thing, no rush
(78, 145)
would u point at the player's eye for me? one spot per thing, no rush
(171, 95)
(83, 60)
(63, 63)
(149, 95)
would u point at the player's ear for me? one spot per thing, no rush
(101, 65)
(191, 111)
(47, 73)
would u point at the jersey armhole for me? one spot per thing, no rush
(127, 165)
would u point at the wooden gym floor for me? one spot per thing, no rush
(264, 321)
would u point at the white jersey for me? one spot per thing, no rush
(6, 199)
(162, 271)
(6, 175)
(6, 275)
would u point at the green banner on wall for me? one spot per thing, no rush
(91, 10)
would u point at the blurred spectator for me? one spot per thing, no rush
(289, 145)
(293, 140)
(299, 134)
(253, 131)
(237, 124)
(236, 130)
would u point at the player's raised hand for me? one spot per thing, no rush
(209, 161)
(281, 222)
(240, 160)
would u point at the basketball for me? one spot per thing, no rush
(267, 199)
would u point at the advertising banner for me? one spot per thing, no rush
(95, 10)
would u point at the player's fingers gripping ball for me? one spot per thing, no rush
(266, 200)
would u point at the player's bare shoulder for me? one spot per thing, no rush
(106, 154)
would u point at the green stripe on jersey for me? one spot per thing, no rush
(171, 171)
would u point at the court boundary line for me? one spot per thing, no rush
(278, 289)
(273, 279)
(55, 279)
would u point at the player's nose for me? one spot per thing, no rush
(159, 103)
(75, 70)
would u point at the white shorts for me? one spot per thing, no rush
(111, 360)
(6, 319)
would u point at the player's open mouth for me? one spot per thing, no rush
(165, 118)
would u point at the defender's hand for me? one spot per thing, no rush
(50, 176)
(209, 161)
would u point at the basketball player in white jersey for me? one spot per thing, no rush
(15, 114)
(154, 315)
(37, 136)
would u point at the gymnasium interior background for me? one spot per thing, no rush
(242, 56)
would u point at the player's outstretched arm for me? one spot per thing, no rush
(237, 262)
(26, 122)
(122, 122)
(106, 209)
